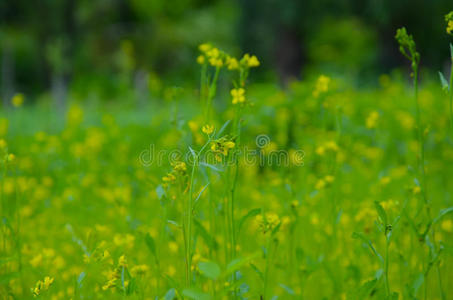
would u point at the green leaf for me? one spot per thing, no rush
(205, 235)
(258, 271)
(381, 212)
(366, 289)
(170, 295)
(442, 213)
(361, 236)
(214, 168)
(444, 82)
(195, 294)
(150, 243)
(417, 284)
(237, 263)
(223, 128)
(209, 269)
(287, 289)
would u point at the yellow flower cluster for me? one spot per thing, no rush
(42, 286)
(115, 274)
(238, 95)
(449, 20)
(208, 129)
(210, 54)
(322, 86)
(218, 58)
(250, 61)
(179, 170)
(222, 146)
(267, 222)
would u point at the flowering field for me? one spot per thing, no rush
(234, 190)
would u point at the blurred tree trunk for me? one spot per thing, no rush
(59, 88)
(288, 55)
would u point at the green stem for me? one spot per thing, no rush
(450, 91)
(189, 220)
(387, 285)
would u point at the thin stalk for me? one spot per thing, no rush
(386, 268)
(450, 91)
(189, 220)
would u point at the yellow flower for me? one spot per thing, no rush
(216, 62)
(253, 62)
(232, 63)
(208, 129)
(322, 85)
(139, 270)
(18, 100)
(204, 47)
(267, 222)
(447, 225)
(122, 262)
(213, 53)
(2, 144)
(201, 59)
(11, 157)
(372, 119)
(238, 95)
(450, 27)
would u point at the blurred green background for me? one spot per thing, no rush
(101, 50)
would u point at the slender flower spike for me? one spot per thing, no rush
(449, 20)
(407, 45)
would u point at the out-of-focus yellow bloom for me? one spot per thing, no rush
(238, 95)
(232, 63)
(208, 129)
(216, 62)
(2, 144)
(205, 47)
(372, 119)
(74, 115)
(139, 270)
(447, 225)
(322, 85)
(253, 62)
(201, 59)
(320, 184)
(250, 61)
(267, 222)
(18, 100)
(10, 158)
